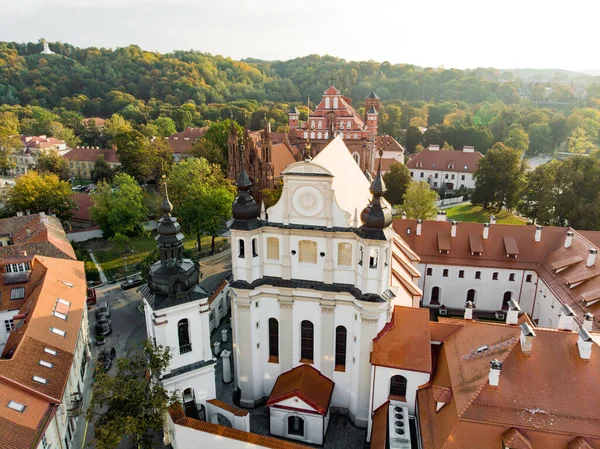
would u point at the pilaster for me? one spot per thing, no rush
(286, 261)
(204, 320)
(244, 351)
(368, 331)
(327, 338)
(328, 269)
(286, 307)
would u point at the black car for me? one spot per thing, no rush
(131, 282)
(106, 357)
(103, 327)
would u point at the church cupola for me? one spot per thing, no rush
(376, 216)
(169, 238)
(245, 209)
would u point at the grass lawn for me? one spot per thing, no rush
(476, 214)
(113, 260)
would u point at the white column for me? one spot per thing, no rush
(244, 351)
(204, 319)
(226, 366)
(286, 307)
(328, 275)
(327, 339)
(368, 331)
(286, 261)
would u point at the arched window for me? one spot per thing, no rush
(312, 123)
(272, 248)
(471, 295)
(306, 134)
(183, 333)
(319, 134)
(273, 340)
(254, 247)
(340, 348)
(308, 251)
(295, 426)
(327, 102)
(505, 300)
(327, 134)
(342, 134)
(241, 249)
(345, 254)
(356, 157)
(349, 124)
(373, 258)
(312, 134)
(320, 123)
(306, 341)
(335, 102)
(398, 386)
(435, 296)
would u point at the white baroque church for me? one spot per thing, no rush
(315, 279)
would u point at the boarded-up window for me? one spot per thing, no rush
(272, 248)
(308, 251)
(345, 254)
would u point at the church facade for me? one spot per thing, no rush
(313, 281)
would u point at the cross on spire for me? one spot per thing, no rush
(331, 78)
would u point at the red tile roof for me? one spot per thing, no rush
(306, 383)
(182, 142)
(84, 203)
(379, 427)
(81, 154)
(441, 159)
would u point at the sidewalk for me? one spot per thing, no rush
(103, 278)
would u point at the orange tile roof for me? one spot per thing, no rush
(305, 382)
(580, 443)
(441, 159)
(281, 156)
(379, 427)
(515, 438)
(178, 416)
(236, 411)
(183, 141)
(51, 279)
(82, 211)
(548, 396)
(404, 343)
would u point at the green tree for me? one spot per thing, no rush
(419, 201)
(217, 135)
(132, 402)
(165, 125)
(201, 196)
(134, 154)
(397, 179)
(538, 199)
(207, 149)
(517, 138)
(413, 138)
(433, 136)
(579, 142)
(499, 178)
(540, 138)
(40, 192)
(9, 140)
(271, 196)
(183, 117)
(58, 131)
(52, 162)
(160, 159)
(119, 208)
(102, 170)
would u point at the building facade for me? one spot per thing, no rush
(81, 161)
(25, 158)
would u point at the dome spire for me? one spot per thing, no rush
(166, 205)
(244, 207)
(376, 216)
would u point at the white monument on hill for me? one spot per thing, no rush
(46, 50)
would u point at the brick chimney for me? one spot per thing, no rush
(486, 231)
(468, 149)
(538, 233)
(469, 310)
(512, 316)
(492, 219)
(591, 260)
(588, 321)
(584, 344)
(565, 318)
(453, 229)
(527, 336)
(569, 239)
(419, 225)
(495, 369)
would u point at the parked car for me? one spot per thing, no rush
(106, 357)
(91, 296)
(131, 282)
(103, 327)
(102, 310)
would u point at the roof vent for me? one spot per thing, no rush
(591, 260)
(495, 369)
(527, 336)
(434, 148)
(512, 316)
(419, 226)
(569, 239)
(486, 231)
(538, 233)
(588, 322)
(453, 229)
(492, 219)
(441, 216)
(584, 344)
(565, 318)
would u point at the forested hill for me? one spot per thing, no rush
(86, 79)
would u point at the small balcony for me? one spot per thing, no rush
(75, 405)
(185, 348)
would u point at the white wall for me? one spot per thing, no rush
(547, 306)
(201, 380)
(84, 236)
(313, 425)
(429, 176)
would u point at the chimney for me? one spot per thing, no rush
(584, 344)
(565, 318)
(527, 336)
(486, 231)
(434, 148)
(419, 225)
(492, 219)
(512, 316)
(469, 310)
(588, 322)
(494, 376)
(441, 216)
(569, 239)
(468, 149)
(403, 215)
(23, 253)
(453, 229)
(538, 233)
(591, 260)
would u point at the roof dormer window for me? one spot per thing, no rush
(40, 380)
(61, 309)
(57, 331)
(50, 351)
(46, 364)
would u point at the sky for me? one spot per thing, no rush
(459, 34)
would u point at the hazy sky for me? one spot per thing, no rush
(460, 33)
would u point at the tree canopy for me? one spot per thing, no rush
(397, 179)
(419, 201)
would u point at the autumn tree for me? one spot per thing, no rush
(119, 208)
(9, 140)
(517, 138)
(397, 179)
(201, 197)
(579, 142)
(499, 178)
(133, 402)
(419, 201)
(40, 192)
(52, 162)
